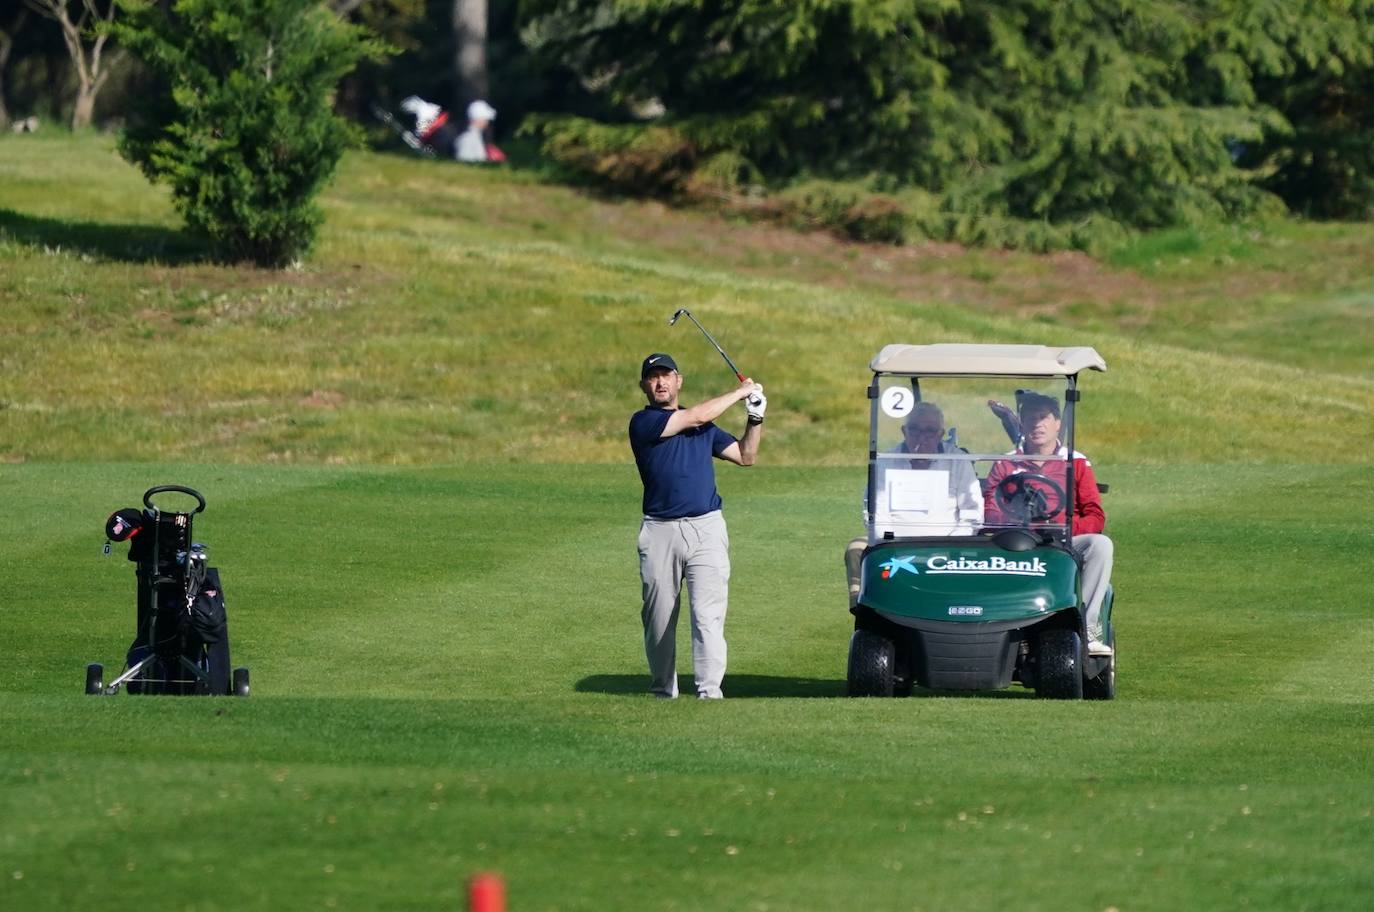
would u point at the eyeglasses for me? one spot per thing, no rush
(918, 430)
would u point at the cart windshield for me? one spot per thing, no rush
(961, 455)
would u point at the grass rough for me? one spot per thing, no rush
(454, 314)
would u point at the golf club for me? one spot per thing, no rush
(684, 311)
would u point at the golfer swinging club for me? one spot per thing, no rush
(683, 532)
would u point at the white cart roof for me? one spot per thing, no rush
(963, 359)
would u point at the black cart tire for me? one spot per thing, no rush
(95, 679)
(1059, 665)
(872, 660)
(1103, 687)
(240, 684)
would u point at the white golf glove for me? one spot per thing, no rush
(756, 404)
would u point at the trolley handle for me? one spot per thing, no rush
(180, 489)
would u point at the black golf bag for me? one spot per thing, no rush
(181, 644)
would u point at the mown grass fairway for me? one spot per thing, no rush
(439, 600)
(447, 679)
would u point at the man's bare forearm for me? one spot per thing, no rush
(749, 443)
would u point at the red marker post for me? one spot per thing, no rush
(486, 893)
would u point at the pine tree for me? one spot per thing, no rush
(1312, 64)
(1078, 116)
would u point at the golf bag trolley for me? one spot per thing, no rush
(182, 640)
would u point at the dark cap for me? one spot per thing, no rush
(1029, 402)
(657, 361)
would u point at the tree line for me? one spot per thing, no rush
(1034, 123)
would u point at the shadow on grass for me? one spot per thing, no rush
(1011, 693)
(123, 243)
(737, 686)
(747, 686)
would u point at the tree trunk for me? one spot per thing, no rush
(90, 73)
(85, 106)
(4, 111)
(470, 50)
(90, 80)
(7, 33)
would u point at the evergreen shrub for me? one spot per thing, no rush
(625, 158)
(241, 125)
(845, 208)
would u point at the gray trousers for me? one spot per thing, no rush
(853, 566)
(697, 549)
(1095, 550)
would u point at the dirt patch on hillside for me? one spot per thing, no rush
(323, 399)
(1005, 281)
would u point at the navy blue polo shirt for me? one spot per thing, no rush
(679, 479)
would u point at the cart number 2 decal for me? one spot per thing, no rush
(897, 401)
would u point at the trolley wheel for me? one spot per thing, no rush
(240, 684)
(95, 678)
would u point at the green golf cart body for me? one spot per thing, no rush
(966, 586)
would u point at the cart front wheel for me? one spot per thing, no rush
(872, 658)
(1059, 675)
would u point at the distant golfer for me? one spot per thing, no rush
(472, 144)
(683, 532)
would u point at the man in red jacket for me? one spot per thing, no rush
(1040, 423)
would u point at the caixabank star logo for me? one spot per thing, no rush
(894, 565)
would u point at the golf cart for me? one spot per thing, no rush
(968, 581)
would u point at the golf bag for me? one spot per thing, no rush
(181, 644)
(434, 133)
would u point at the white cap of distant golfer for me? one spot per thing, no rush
(480, 110)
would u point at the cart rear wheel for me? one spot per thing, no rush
(95, 678)
(871, 660)
(902, 681)
(1103, 687)
(240, 685)
(1058, 673)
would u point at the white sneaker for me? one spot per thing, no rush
(1099, 648)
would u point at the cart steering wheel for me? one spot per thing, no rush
(1027, 503)
(180, 489)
